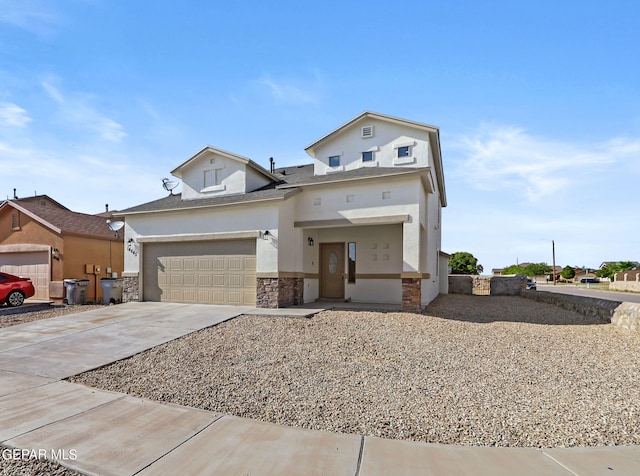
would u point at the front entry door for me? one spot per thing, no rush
(332, 270)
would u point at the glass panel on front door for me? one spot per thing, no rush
(333, 262)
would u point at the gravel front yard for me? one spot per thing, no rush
(471, 370)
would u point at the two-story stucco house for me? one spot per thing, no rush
(362, 223)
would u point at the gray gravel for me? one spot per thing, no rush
(471, 370)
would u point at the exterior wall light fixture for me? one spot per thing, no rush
(265, 235)
(310, 241)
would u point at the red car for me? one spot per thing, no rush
(14, 290)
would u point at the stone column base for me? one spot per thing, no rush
(273, 293)
(130, 288)
(412, 294)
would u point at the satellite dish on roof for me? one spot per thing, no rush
(169, 185)
(115, 226)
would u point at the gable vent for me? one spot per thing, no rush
(367, 131)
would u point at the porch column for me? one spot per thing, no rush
(411, 275)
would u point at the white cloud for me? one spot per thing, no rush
(35, 16)
(510, 193)
(12, 115)
(78, 110)
(291, 91)
(507, 158)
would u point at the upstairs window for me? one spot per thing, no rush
(404, 151)
(334, 161)
(212, 177)
(367, 156)
(15, 221)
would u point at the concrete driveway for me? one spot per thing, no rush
(67, 345)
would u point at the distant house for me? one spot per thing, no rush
(361, 223)
(613, 263)
(45, 241)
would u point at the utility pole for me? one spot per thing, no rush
(553, 251)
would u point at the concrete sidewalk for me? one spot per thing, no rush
(100, 432)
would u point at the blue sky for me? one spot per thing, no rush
(538, 104)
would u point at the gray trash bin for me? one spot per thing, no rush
(76, 290)
(111, 290)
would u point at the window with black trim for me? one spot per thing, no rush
(351, 252)
(367, 156)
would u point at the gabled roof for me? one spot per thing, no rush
(434, 140)
(371, 115)
(177, 172)
(64, 221)
(38, 198)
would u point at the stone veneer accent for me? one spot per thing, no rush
(487, 285)
(130, 288)
(279, 292)
(411, 294)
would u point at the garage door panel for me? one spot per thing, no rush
(217, 297)
(235, 298)
(34, 265)
(189, 264)
(218, 264)
(200, 272)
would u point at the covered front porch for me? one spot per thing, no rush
(361, 263)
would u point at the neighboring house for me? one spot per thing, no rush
(362, 223)
(614, 263)
(45, 241)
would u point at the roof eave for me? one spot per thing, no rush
(351, 179)
(34, 216)
(213, 205)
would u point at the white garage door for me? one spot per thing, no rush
(34, 265)
(216, 272)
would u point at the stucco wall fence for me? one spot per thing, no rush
(626, 281)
